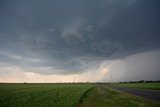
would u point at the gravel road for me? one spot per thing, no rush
(150, 94)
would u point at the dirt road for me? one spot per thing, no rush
(150, 94)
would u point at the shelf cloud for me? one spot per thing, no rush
(68, 36)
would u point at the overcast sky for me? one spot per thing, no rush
(56, 40)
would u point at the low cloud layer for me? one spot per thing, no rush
(64, 37)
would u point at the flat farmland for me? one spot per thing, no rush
(68, 95)
(151, 86)
(42, 95)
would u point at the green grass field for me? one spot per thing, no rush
(155, 86)
(42, 95)
(68, 95)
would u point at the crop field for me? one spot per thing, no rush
(68, 95)
(42, 95)
(154, 86)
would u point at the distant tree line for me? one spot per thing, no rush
(141, 81)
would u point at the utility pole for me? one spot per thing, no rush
(74, 79)
(111, 78)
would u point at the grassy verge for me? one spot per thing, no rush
(154, 86)
(102, 96)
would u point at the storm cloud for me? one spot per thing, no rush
(68, 36)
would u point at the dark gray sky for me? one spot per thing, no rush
(68, 36)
